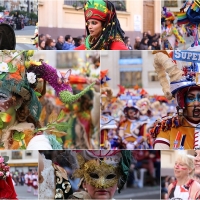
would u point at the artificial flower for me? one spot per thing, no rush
(31, 77)
(1, 159)
(3, 67)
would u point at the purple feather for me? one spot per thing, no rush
(49, 74)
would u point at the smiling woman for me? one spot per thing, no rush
(103, 27)
(184, 187)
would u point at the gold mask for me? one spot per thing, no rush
(97, 173)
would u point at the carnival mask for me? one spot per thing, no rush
(98, 173)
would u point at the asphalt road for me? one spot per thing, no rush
(139, 193)
(23, 194)
(23, 38)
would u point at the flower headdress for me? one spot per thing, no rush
(4, 168)
(19, 74)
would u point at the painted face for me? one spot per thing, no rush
(197, 162)
(168, 22)
(6, 100)
(94, 27)
(95, 193)
(132, 113)
(180, 169)
(192, 101)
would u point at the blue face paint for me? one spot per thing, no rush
(192, 98)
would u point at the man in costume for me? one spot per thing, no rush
(133, 128)
(102, 26)
(180, 131)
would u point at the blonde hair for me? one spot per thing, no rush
(188, 160)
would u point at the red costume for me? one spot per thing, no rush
(114, 46)
(7, 190)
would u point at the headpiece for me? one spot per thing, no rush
(179, 79)
(169, 16)
(19, 75)
(104, 11)
(96, 9)
(103, 168)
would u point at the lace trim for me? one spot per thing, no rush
(47, 187)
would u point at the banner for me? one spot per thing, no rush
(187, 56)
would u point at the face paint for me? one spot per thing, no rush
(6, 100)
(191, 98)
(180, 167)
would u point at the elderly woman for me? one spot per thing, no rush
(101, 173)
(102, 26)
(185, 187)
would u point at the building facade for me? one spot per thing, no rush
(135, 17)
(23, 5)
(22, 160)
(130, 68)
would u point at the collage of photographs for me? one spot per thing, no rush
(78, 121)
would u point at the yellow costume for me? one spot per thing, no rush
(169, 137)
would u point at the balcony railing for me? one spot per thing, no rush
(119, 5)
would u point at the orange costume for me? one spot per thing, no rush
(172, 138)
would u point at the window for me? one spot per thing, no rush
(28, 153)
(130, 54)
(152, 76)
(171, 3)
(131, 78)
(16, 155)
(67, 60)
(119, 5)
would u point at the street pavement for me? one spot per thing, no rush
(189, 41)
(139, 193)
(23, 194)
(23, 38)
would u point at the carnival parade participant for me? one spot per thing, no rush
(7, 190)
(35, 184)
(180, 131)
(102, 172)
(170, 34)
(185, 187)
(19, 104)
(132, 129)
(29, 180)
(51, 179)
(102, 26)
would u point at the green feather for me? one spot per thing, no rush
(67, 97)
